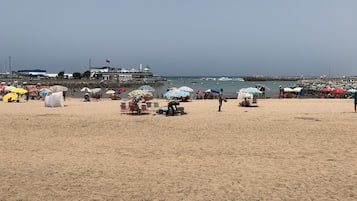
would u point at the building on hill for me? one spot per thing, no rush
(123, 74)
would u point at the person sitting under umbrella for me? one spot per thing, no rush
(172, 105)
(136, 100)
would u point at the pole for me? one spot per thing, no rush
(10, 66)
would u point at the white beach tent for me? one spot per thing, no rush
(242, 95)
(54, 99)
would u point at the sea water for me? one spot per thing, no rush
(230, 87)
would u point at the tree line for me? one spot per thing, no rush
(76, 75)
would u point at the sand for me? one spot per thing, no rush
(285, 149)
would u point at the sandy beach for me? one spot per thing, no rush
(285, 149)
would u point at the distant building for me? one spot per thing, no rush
(33, 74)
(123, 74)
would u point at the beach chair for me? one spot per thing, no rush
(180, 110)
(131, 107)
(123, 107)
(143, 107)
(156, 104)
(148, 104)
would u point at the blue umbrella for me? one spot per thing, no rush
(116, 91)
(147, 88)
(45, 91)
(176, 93)
(352, 90)
(215, 90)
(251, 90)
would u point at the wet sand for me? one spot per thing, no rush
(284, 149)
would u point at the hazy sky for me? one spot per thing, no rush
(182, 37)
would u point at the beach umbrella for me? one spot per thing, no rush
(176, 93)
(297, 89)
(58, 88)
(326, 89)
(18, 90)
(351, 90)
(86, 90)
(96, 90)
(186, 88)
(139, 92)
(13, 97)
(117, 91)
(288, 89)
(121, 90)
(147, 88)
(251, 90)
(110, 91)
(215, 90)
(45, 91)
(32, 89)
(338, 90)
(9, 88)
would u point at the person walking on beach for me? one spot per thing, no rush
(220, 100)
(354, 96)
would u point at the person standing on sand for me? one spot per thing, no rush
(220, 100)
(354, 96)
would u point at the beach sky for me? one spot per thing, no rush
(201, 37)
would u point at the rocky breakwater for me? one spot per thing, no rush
(323, 87)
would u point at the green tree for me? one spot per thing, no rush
(77, 75)
(86, 74)
(60, 75)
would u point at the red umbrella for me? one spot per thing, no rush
(327, 89)
(32, 89)
(338, 90)
(121, 90)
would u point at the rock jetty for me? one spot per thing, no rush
(314, 86)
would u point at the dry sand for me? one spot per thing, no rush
(285, 149)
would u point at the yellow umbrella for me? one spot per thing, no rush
(110, 92)
(18, 90)
(8, 96)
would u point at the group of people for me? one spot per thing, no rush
(172, 105)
